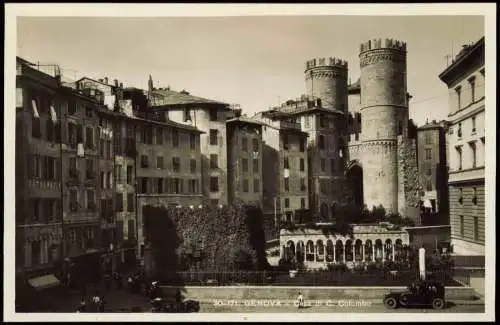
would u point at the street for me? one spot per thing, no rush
(123, 301)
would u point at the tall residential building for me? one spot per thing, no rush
(105, 96)
(285, 173)
(465, 79)
(244, 157)
(325, 151)
(433, 172)
(168, 169)
(209, 116)
(39, 193)
(57, 137)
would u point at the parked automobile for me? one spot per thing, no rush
(419, 293)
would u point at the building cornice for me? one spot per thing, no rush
(451, 73)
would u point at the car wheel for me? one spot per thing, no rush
(438, 303)
(390, 303)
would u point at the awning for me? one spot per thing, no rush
(44, 282)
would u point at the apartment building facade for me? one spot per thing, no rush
(208, 116)
(168, 168)
(433, 172)
(38, 174)
(285, 175)
(465, 79)
(325, 152)
(57, 136)
(244, 156)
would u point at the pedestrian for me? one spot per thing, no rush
(300, 300)
(101, 304)
(178, 296)
(82, 307)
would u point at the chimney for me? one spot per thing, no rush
(116, 82)
(106, 80)
(101, 80)
(121, 85)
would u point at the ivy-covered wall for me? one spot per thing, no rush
(408, 179)
(208, 239)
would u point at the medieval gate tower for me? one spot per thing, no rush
(326, 81)
(384, 115)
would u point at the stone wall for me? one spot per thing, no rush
(410, 187)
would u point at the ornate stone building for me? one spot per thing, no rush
(317, 247)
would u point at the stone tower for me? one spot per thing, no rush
(384, 115)
(326, 83)
(326, 79)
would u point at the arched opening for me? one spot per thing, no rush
(339, 251)
(320, 251)
(388, 250)
(358, 250)
(329, 251)
(378, 250)
(300, 251)
(355, 180)
(310, 251)
(290, 251)
(369, 251)
(398, 250)
(348, 251)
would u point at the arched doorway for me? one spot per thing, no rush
(355, 179)
(339, 251)
(290, 251)
(378, 250)
(310, 251)
(369, 251)
(329, 251)
(300, 251)
(320, 251)
(348, 251)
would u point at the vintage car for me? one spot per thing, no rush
(419, 293)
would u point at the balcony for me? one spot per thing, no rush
(289, 125)
(44, 184)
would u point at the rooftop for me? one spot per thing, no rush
(467, 53)
(167, 97)
(432, 125)
(245, 119)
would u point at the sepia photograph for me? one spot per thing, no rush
(252, 162)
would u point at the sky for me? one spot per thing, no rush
(254, 61)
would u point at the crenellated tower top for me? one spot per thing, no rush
(379, 43)
(326, 62)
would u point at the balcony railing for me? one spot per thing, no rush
(289, 125)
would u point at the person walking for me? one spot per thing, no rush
(82, 307)
(300, 300)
